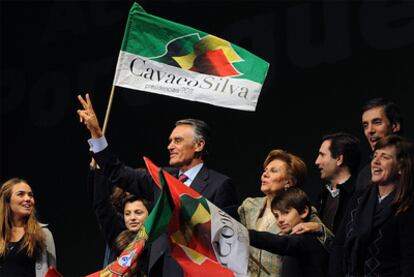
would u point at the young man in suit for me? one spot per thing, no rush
(187, 148)
(338, 160)
(380, 118)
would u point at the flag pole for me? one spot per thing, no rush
(108, 109)
(259, 264)
(111, 96)
(93, 164)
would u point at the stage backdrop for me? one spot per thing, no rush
(326, 59)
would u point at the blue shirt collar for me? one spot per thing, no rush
(192, 173)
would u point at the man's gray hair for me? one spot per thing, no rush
(201, 130)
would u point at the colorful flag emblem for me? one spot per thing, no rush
(164, 57)
(205, 241)
(210, 55)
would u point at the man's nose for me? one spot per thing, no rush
(170, 145)
(371, 129)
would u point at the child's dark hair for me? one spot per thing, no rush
(132, 198)
(292, 198)
(117, 198)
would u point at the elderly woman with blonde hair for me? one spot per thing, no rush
(281, 170)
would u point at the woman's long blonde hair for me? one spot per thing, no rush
(34, 238)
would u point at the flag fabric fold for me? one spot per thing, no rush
(205, 241)
(168, 58)
(52, 272)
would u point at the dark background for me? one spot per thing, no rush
(326, 59)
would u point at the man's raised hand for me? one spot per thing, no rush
(88, 117)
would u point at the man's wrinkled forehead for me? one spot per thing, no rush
(182, 131)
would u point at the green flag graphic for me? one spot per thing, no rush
(164, 57)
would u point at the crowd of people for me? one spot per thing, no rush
(361, 224)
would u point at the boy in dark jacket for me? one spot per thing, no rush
(304, 254)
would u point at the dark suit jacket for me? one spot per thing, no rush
(214, 186)
(389, 250)
(363, 178)
(111, 222)
(303, 255)
(346, 190)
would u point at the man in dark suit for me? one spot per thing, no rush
(380, 118)
(338, 160)
(187, 148)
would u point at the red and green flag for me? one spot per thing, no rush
(155, 224)
(205, 241)
(168, 58)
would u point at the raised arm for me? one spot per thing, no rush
(88, 117)
(134, 181)
(109, 220)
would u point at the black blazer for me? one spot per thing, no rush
(216, 187)
(346, 190)
(388, 252)
(364, 178)
(109, 219)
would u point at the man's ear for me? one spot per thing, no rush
(305, 213)
(340, 160)
(199, 145)
(396, 127)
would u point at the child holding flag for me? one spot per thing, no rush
(117, 234)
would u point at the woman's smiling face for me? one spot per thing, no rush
(384, 166)
(21, 200)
